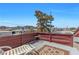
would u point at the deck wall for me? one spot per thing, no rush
(65, 39)
(18, 40)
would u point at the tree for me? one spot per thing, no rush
(44, 21)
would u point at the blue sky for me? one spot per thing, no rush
(65, 15)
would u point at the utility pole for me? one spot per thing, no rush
(50, 28)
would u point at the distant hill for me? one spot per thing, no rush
(16, 27)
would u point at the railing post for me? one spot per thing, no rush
(50, 37)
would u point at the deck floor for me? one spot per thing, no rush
(41, 47)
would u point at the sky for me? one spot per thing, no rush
(21, 14)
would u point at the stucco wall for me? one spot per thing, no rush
(66, 39)
(14, 41)
(17, 40)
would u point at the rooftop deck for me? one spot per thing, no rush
(25, 43)
(41, 47)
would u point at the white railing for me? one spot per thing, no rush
(1, 49)
(24, 49)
